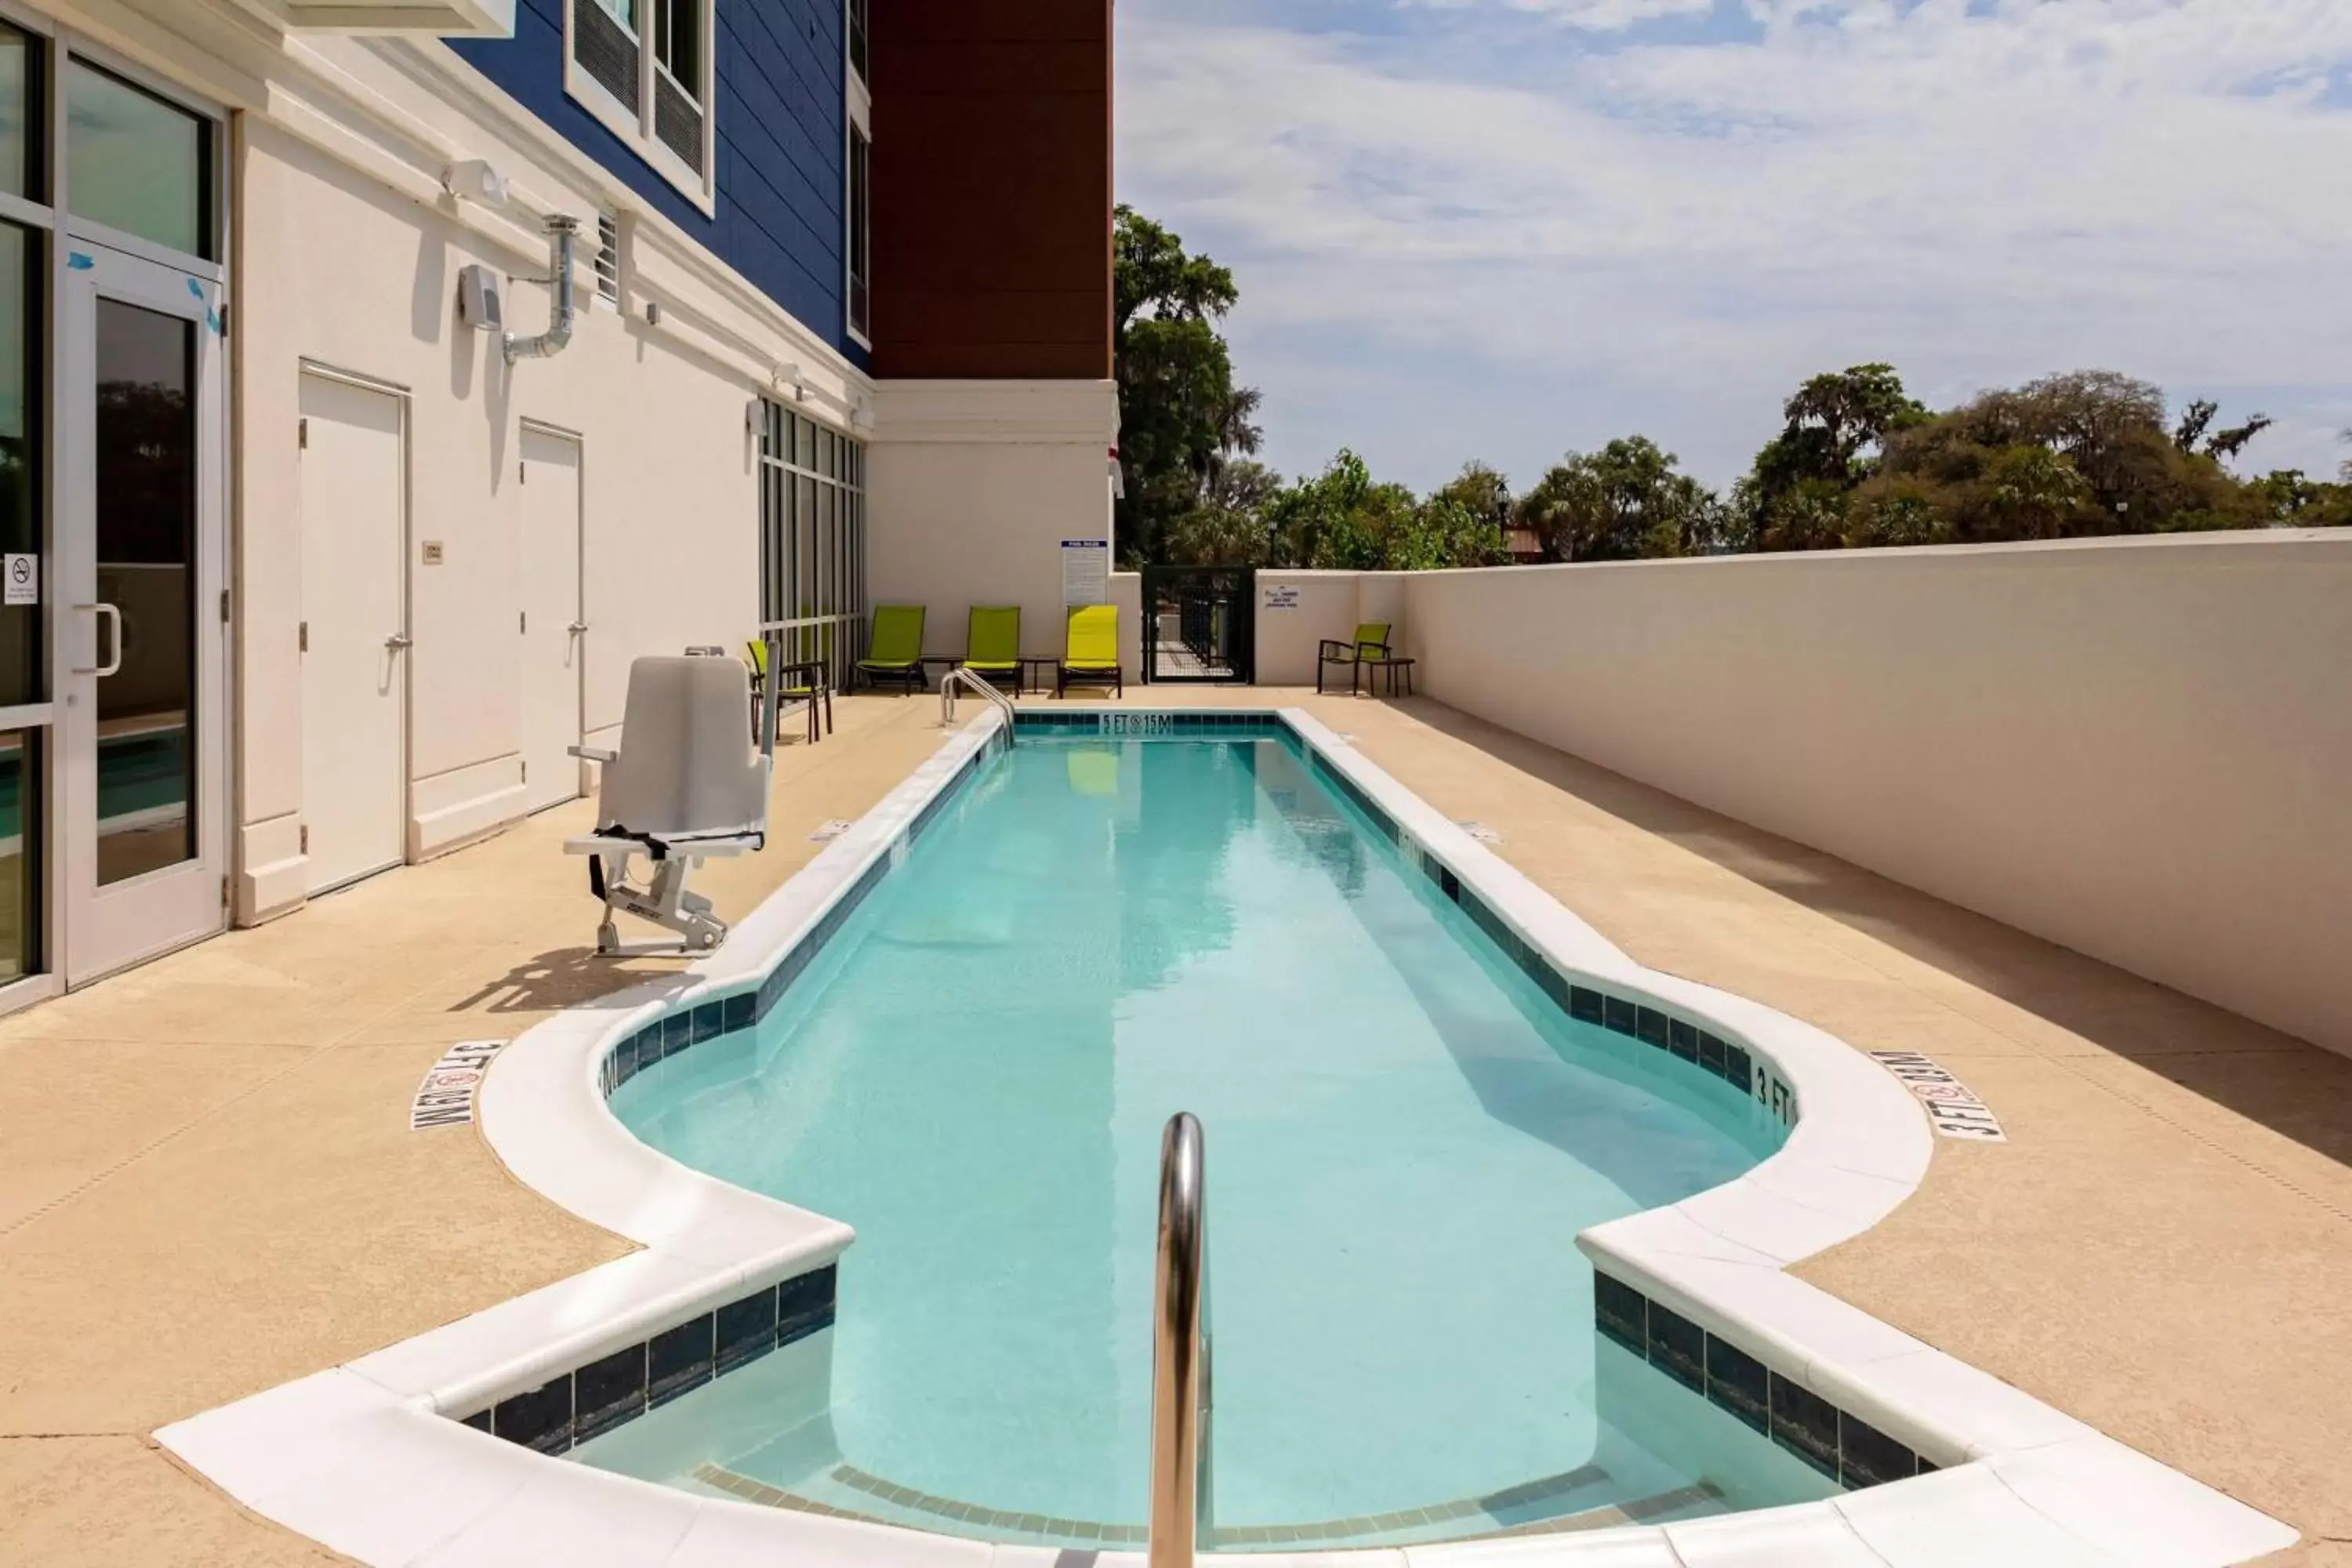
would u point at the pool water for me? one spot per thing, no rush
(1403, 1137)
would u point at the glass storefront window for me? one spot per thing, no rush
(20, 459)
(20, 853)
(20, 113)
(146, 569)
(137, 164)
(811, 538)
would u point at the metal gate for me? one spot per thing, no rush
(1200, 624)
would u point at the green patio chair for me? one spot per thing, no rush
(1371, 641)
(1090, 657)
(894, 651)
(819, 695)
(991, 646)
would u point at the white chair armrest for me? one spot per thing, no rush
(592, 753)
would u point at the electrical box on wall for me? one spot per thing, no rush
(478, 305)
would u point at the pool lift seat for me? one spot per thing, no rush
(685, 787)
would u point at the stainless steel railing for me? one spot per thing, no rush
(960, 676)
(1181, 1383)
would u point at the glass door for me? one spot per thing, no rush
(140, 580)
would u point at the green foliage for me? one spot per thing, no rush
(2068, 456)
(1182, 418)
(1625, 502)
(1858, 463)
(2293, 499)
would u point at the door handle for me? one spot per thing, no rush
(577, 627)
(115, 665)
(399, 641)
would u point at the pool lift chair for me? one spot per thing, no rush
(684, 787)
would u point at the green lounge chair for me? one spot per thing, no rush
(1091, 655)
(1371, 641)
(755, 653)
(894, 652)
(992, 647)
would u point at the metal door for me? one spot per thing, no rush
(1200, 625)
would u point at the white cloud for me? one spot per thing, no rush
(1668, 236)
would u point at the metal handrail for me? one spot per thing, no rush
(946, 698)
(1180, 1351)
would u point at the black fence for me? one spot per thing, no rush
(1200, 625)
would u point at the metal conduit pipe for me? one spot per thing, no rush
(1179, 1351)
(561, 231)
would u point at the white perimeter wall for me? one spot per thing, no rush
(1328, 604)
(2140, 749)
(971, 485)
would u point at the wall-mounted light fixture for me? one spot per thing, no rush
(474, 180)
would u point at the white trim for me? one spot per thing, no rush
(26, 215)
(361, 1458)
(634, 124)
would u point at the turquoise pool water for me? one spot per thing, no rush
(1403, 1137)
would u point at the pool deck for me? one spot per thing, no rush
(208, 1185)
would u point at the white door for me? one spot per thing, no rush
(143, 758)
(353, 639)
(550, 622)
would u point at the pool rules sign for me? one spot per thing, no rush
(445, 1098)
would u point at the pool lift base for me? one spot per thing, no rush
(683, 772)
(664, 901)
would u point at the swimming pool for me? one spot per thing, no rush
(1405, 1133)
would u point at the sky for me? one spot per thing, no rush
(1505, 229)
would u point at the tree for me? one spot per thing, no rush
(1624, 502)
(1182, 418)
(1795, 497)
(1480, 490)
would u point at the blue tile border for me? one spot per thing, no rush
(613, 1390)
(1840, 1445)
(1133, 726)
(1640, 1018)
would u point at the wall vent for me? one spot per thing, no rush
(608, 258)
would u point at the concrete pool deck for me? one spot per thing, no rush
(210, 1188)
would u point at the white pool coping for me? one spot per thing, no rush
(365, 1459)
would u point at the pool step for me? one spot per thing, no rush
(1640, 1510)
(945, 1513)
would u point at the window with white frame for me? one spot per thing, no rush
(858, 242)
(644, 68)
(861, 232)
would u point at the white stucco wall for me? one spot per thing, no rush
(1328, 605)
(971, 485)
(2139, 749)
(670, 509)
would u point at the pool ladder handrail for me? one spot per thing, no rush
(946, 698)
(1181, 1380)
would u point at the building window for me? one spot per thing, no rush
(644, 68)
(811, 540)
(858, 177)
(861, 232)
(136, 163)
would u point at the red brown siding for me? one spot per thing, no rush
(991, 189)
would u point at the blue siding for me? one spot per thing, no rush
(782, 122)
